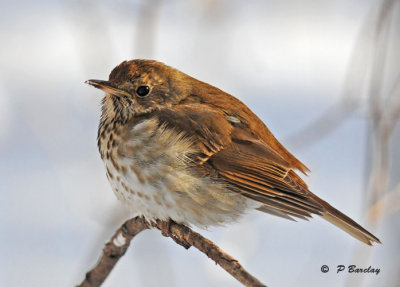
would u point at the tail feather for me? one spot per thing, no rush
(345, 223)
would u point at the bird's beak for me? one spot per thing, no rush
(108, 88)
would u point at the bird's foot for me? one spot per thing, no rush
(165, 227)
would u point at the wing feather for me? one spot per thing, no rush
(236, 148)
(242, 161)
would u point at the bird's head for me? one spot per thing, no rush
(138, 87)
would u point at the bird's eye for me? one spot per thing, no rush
(143, 91)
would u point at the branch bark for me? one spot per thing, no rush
(181, 234)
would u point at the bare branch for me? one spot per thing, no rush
(113, 251)
(181, 234)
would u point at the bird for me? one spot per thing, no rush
(178, 149)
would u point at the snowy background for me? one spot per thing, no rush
(289, 61)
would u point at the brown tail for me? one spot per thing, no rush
(345, 223)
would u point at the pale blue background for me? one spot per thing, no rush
(287, 60)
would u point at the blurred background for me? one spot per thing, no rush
(324, 76)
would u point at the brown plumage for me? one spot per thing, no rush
(197, 153)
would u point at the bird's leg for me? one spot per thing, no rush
(165, 227)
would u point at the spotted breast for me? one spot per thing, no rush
(147, 166)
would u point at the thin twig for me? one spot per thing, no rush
(113, 251)
(181, 234)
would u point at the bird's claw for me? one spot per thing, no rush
(165, 227)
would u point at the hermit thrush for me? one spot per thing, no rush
(176, 148)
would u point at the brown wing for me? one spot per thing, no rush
(233, 155)
(259, 173)
(230, 151)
